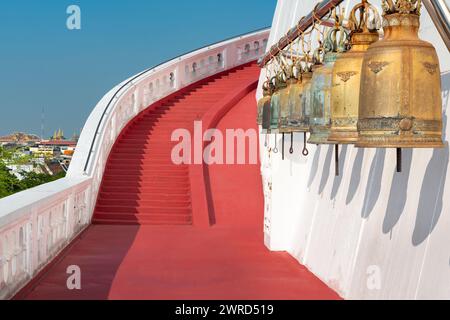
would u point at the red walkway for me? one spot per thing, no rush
(227, 261)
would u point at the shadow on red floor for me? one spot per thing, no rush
(227, 261)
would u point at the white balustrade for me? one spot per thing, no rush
(39, 224)
(35, 225)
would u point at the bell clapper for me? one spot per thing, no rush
(265, 140)
(399, 160)
(336, 155)
(305, 151)
(291, 150)
(282, 147)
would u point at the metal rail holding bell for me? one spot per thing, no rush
(401, 102)
(363, 24)
(322, 9)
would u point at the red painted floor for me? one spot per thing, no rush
(227, 261)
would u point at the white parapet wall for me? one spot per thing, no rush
(35, 225)
(370, 233)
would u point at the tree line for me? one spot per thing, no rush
(10, 184)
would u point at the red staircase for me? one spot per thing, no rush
(175, 262)
(141, 185)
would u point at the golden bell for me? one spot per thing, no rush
(285, 99)
(279, 98)
(267, 106)
(346, 78)
(400, 102)
(264, 105)
(321, 86)
(292, 86)
(306, 100)
(295, 114)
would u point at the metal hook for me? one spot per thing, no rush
(305, 151)
(275, 149)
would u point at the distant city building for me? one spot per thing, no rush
(19, 138)
(52, 148)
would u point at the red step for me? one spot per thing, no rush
(138, 197)
(111, 209)
(147, 191)
(141, 184)
(143, 203)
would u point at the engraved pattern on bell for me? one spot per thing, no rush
(431, 67)
(345, 76)
(377, 66)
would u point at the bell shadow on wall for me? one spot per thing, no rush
(431, 195)
(373, 188)
(398, 194)
(356, 176)
(338, 180)
(326, 169)
(315, 166)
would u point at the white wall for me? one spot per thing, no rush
(370, 223)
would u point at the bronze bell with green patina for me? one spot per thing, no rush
(279, 97)
(263, 118)
(336, 42)
(287, 98)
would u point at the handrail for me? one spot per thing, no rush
(127, 83)
(304, 24)
(439, 13)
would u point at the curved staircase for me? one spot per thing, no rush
(145, 247)
(141, 185)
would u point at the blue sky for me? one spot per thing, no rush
(45, 65)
